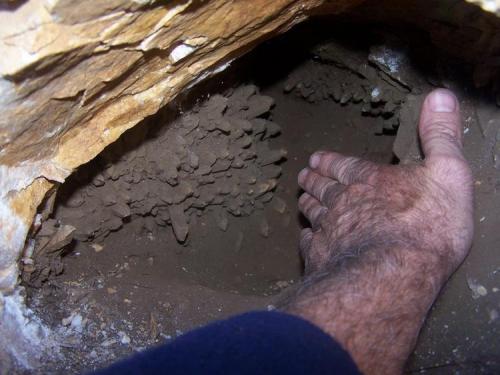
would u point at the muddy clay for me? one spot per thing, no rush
(213, 160)
(128, 279)
(379, 80)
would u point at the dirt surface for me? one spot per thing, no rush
(144, 279)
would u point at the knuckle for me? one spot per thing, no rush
(441, 129)
(305, 240)
(318, 217)
(345, 167)
(353, 169)
(319, 212)
(309, 212)
(311, 179)
(332, 193)
(316, 186)
(438, 136)
(326, 189)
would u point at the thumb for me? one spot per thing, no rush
(440, 127)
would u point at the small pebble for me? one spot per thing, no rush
(124, 338)
(477, 289)
(77, 323)
(279, 205)
(97, 248)
(493, 313)
(107, 343)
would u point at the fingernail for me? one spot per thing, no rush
(314, 161)
(302, 175)
(442, 100)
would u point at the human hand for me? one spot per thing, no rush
(354, 205)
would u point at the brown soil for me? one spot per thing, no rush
(123, 287)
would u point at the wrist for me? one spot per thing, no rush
(376, 300)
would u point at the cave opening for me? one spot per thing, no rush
(191, 216)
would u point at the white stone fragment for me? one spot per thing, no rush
(477, 289)
(180, 52)
(124, 338)
(23, 335)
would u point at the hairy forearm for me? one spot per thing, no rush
(373, 304)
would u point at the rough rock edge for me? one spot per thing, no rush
(23, 334)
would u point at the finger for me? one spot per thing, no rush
(320, 187)
(307, 251)
(311, 208)
(345, 169)
(440, 127)
(306, 237)
(313, 249)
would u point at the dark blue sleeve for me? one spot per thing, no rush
(251, 343)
